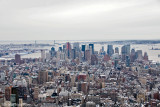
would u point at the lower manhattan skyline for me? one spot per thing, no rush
(79, 20)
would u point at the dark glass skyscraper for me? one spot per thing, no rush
(110, 50)
(91, 46)
(83, 47)
(53, 52)
(83, 50)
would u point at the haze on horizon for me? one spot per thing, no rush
(79, 19)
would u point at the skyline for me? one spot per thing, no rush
(79, 20)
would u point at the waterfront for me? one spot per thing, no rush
(153, 54)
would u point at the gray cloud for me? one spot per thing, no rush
(79, 19)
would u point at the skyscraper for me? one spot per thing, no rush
(125, 50)
(53, 52)
(17, 59)
(117, 50)
(43, 55)
(36, 93)
(68, 49)
(94, 60)
(83, 51)
(139, 54)
(102, 52)
(60, 49)
(127, 61)
(110, 50)
(8, 93)
(133, 55)
(64, 48)
(145, 56)
(91, 47)
(83, 47)
(87, 55)
(42, 77)
(102, 48)
(76, 46)
(73, 53)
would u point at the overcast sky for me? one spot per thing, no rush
(79, 19)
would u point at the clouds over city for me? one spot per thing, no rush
(79, 19)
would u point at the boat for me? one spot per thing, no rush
(155, 48)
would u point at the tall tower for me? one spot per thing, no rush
(68, 49)
(110, 50)
(125, 50)
(53, 52)
(43, 55)
(91, 47)
(83, 51)
(17, 59)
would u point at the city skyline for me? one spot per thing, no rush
(79, 20)
(80, 53)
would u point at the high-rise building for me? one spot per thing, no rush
(145, 56)
(125, 50)
(13, 99)
(53, 52)
(43, 55)
(8, 93)
(17, 59)
(94, 60)
(36, 93)
(83, 47)
(16, 93)
(133, 55)
(68, 49)
(73, 53)
(102, 52)
(84, 87)
(87, 55)
(139, 54)
(91, 47)
(117, 50)
(76, 46)
(83, 51)
(20, 103)
(116, 61)
(60, 49)
(102, 48)
(42, 77)
(19, 91)
(110, 50)
(127, 61)
(64, 48)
